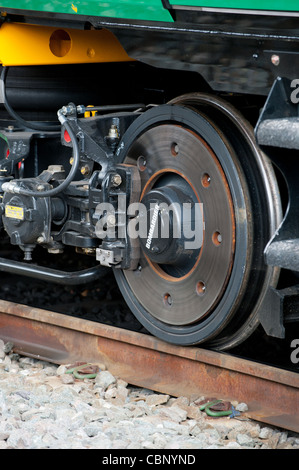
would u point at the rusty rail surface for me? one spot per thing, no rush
(272, 394)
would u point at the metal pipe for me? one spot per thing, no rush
(81, 109)
(53, 275)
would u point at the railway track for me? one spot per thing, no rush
(272, 394)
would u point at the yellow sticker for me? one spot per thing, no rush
(14, 212)
(74, 8)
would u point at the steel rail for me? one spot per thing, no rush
(271, 394)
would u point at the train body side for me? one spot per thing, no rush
(152, 10)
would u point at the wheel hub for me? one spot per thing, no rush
(170, 215)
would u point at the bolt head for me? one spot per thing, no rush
(116, 180)
(275, 59)
(111, 220)
(84, 170)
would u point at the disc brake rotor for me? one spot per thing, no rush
(174, 294)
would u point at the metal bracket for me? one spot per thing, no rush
(283, 249)
(271, 314)
(279, 307)
(277, 129)
(278, 124)
(283, 253)
(105, 257)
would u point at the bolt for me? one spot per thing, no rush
(81, 109)
(71, 160)
(84, 170)
(27, 255)
(275, 59)
(111, 220)
(41, 239)
(40, 187)
(116, 180)
(69, 109)
(113, 132)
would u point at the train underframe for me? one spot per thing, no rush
(187, 192)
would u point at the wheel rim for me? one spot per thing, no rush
(197, 304)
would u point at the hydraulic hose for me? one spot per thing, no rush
(29, 125)
(14, 188)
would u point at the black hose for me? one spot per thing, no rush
(37, 126)
(70, 176)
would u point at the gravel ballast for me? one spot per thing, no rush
(44, 407)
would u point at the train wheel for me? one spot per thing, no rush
(198, 150)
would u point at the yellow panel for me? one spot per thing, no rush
(22, 44)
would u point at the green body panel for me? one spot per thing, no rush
(276, 5)
(149, 10)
